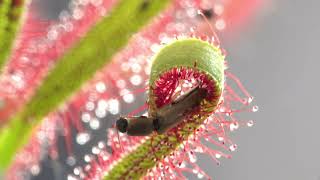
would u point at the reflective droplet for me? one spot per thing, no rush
(87, 158)
(200, 175)
(85, 117)
(71, 177)
(101, 87)
(233, 126)
(136, 68)
(71, 160)
(128, 98)
(35, 170)
(95, 150)
(250, 123)
(233, 147)
(101, 113)
(94, 124)
(220, 24)
(82, 138)
(255, 108)
(102, 104)
(90, 106)
(113, 106)
(76, 171)
(136, 80)
(77, 13)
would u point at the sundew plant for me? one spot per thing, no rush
(140, 60)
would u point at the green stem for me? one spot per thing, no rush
(11, 12)
(77, 66)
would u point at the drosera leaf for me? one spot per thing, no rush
(11, 15)
(78, 65)
(180, 60)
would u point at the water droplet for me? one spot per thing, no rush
(195, 171)
(221, 139)
(113, 106)
(87, 158)
(136, 80)
(71, 177)
(192, 157)
(136, 68)
(200, 175)
(233, 126)
(71, 160)
(85, 117)
(35, 170)
(82, 138)
(121, 84)
(101, 145)
(95, 150)
(101, 87)
(233, 147)
(255, 108)
(128, 98)
(220, 24)
(250, 123)
(52, 34)
(76, 171)
(94, 124)
(90, 106)
(101, 113)
(77, 13)
(155, 48)
(102, 104)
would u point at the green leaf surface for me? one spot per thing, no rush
(11, 13)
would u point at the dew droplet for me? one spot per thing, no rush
(35, 170)
(71, 160)
(87, 158)
(233, 126)
(255, 108)
(136, 68)
(102, 104)
(250, 123)
(85, 117)
(101, 87)
(76, 171)
(71, 177)
(101, 145)
(113, 106)
(220, 24)
(90, 106)
(136, 80)
(128, 98)
(94, 124)
(233, 147)
(95, 150)
(100, 113)
(82, 138)
(200, 175)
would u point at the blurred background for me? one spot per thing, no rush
(275, 56)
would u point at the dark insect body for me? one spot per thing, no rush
(166, 117)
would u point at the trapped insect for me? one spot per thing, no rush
(165, 118)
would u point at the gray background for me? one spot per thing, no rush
(277, 60)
